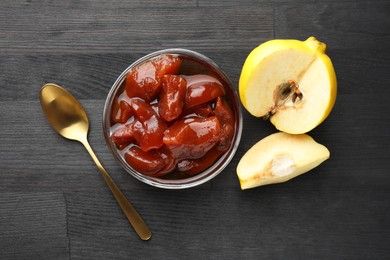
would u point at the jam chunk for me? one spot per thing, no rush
(201, 93)
(144, 81)
(154, 163)
(123, 136)
(225, 116)
(121, 111)
(171, 101)
(127, 134)
(195, 166)
(167, 65)
(204, 110)
(192, 137)
(147, 163)
(153, 126)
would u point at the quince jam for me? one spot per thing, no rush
(171, 119)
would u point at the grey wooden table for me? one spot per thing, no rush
(54, 203)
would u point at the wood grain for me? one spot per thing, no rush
(87, 76)
(224, 3)
(33, 225)
(54, 203)
(96, 28)
(269, 224)
(343, 26)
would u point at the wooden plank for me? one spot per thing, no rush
(224, 3)
(60, 163)
(341, 25)
(33, 225)
(361, 71)
(98, 4)
(90, 76)
(234, 224)
(36, 158)
(87, 76)
(94, 28)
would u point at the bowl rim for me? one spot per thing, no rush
(218, 166)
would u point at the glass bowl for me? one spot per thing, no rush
(193, 63)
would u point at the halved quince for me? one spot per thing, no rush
(291, 82)
(278, 158)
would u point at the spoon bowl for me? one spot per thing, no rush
(64, 112)
(68, 118)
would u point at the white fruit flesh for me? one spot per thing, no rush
(275, 69)
(303, 115)
(280, 61)
(279, 158)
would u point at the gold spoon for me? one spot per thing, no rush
(68, 118)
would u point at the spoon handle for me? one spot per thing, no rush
(131, 213)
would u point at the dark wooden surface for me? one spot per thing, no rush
(54, 203)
